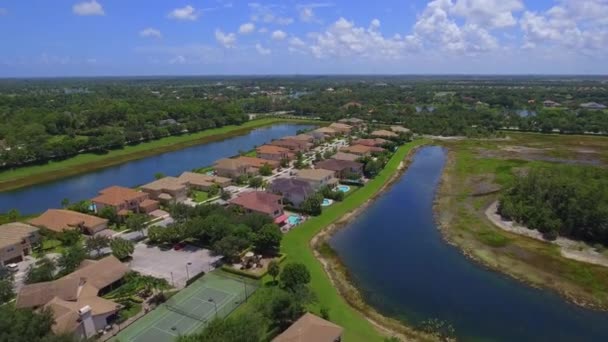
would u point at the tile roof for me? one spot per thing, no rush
(326, 130)
(345, 156)
(384, 133)
(340, 126)
(259, 201)
(311, 328)
(291, 186)
(230, 164)
(59, 219)
(199, 178)
(257, 162)
(337, 165)
(15, 232)
(272, 149)
(116, 195)
(314, 174)
(165, 183)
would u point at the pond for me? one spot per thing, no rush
(40, 197)
(396, 256)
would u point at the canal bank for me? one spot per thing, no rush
(88, 162)
(396, 257)
(38, 198)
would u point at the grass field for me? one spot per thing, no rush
(296, 244)
(464, 223)
(191, 309)
(28, 175)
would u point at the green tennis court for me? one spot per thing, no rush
(217, 293)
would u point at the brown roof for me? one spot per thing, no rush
(340, 126)
(326, 130)
(384, 133)
(399, 129)
(271, 149)
(165, 183)
(314, 174)
(230, 164)
(60, 219)
(304, 137)
(199, 178)
(370, 142)
(15, 232)
(259, 201)
(337, 165)
(311, 328)
(258, 162)
(147, 203)
(345, 156)
(358, 149)
(116, 195)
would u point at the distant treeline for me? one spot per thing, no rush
(562, 201)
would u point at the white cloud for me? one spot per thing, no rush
(88, 8)
(278, 35)
(307, 14)
(344, 39)
(227, 40)
(184, 13)
(263, 30)
(150, 32)
(487, 13)
(296, 45)
(178, 60)
(247, 28)
(269, 14)
(262, 50)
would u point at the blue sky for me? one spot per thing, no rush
(135, 37)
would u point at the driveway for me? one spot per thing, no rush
(24, 266)
(174, 266)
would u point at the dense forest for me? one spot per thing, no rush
(561, 201)
(56, 118)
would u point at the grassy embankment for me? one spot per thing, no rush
(461, 214)
(29, 175)
(296, 244)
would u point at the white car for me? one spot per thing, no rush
(12, 267)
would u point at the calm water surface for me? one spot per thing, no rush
(38, 198)
(396, 256)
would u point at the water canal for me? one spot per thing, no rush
(38, 198)
(396, 256)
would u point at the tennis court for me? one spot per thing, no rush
(192, 308)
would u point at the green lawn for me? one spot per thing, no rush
(15, 178)
(199, 196)
(296, 245)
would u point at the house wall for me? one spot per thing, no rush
(12, 253)
(94, 229)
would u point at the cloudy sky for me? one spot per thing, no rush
(153, 37)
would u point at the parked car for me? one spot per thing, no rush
(12, 267)
(178, 246)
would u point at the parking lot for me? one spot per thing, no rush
(174, 266)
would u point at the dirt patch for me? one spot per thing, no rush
(541, 154)
(482, 185)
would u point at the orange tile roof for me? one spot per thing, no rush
(257, 162)
(116, 195)
(311, 328)
(59, 220)
(259, 201)
(272, 149)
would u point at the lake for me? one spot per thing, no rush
(396, 256)
(40, 197)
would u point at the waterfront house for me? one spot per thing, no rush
(167, 190)
(341, 128)
(75, 298)
(326, 131)
(58, 220)
(311, 328)
(400, 129)
(317, 178)
(305, 137)
(257, 163)
(342, 168)
(16, 241)
(293, 190)
(362, 150)
(382, 133)
(272, 152)
(292, 144)
(123, 200)
(377, 142)
(352, 121)
(233, 168)
(199, 181)
(345, 156)
(260, 202)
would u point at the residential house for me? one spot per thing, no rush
(16, 241)
(59, 220)
(258, 162)
(293, 190)
(400, 129)
(352, 121)
(75, 298)
(272, 152)
(317, 178)
(311, 328)
(370, 142)
(593, 106)
(326, 131)
(123, 200)
(382, 133)
(342, 168)
(305, 137)
(319, 136)
(362, 150)
(203, 182)
(260, 202)
(292, 144)
(166, 189)
(345, 156)
(341, 128)
(551, 104)
(233, 168)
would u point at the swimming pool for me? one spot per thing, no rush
(294, 219)
(326, 202)
(344, 188)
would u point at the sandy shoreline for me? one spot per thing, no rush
(338, 274)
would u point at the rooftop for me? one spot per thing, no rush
(259, 201)
(15, 232)
(337, 165)
(271, 149)
(340, 125)
(165, 183)
(199, 178)
(345, 156)
(311, 328)
(116, 195)
(60, 219)
(315, 174)
(384, 133)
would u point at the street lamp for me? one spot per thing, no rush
(214, 305)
